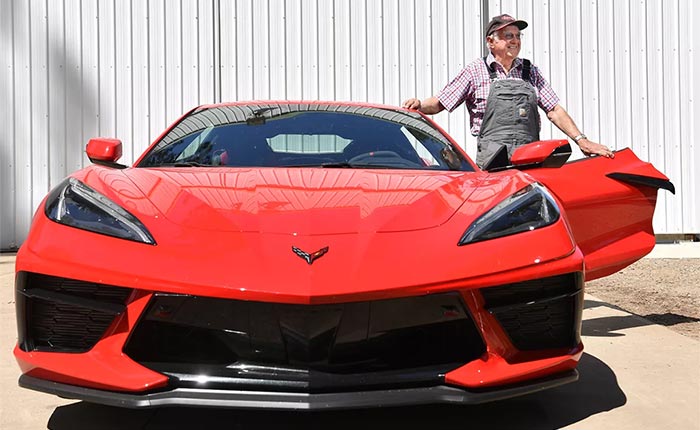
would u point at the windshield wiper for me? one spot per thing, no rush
(338, 165)
(183, 164)
(346, 165)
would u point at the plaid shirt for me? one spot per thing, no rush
(472, 85)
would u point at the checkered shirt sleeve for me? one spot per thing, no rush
(462, 88)
(547, 99)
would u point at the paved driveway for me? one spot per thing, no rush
(634, 375)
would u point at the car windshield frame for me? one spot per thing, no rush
(305, 135)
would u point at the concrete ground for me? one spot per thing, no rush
(634, 375)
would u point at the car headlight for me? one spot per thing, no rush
(530, 208)
(75, 204)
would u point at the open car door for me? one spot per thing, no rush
(609, 204)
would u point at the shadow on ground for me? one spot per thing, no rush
(609, 326)
(596, 391)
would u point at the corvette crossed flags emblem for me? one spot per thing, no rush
(310, 258)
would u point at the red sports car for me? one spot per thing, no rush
(319, 255)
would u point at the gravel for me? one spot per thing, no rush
(664, 291)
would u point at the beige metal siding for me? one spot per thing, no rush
(74, 69)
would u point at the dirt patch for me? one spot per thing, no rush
(664, 291)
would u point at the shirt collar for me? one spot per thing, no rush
(490, 60)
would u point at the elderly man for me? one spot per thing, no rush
(502, 93)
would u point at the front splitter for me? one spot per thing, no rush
(295, 401)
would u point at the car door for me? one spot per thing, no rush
(609, 204)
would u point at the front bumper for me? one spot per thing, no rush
(129, 367)
(295, 401)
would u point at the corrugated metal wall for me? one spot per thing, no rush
(74, 69)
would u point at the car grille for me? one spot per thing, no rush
(64, 315)
(541, 313)
(200, 341)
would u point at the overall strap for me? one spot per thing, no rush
(527, 66)
(492, 72)
(526, 70)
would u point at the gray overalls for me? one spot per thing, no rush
(511, 118)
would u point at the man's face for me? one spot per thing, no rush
(505, 42)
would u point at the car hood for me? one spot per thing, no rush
(305, 201)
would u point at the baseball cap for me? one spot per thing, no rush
(502, 21)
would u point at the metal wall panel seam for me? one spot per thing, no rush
(596, 104)
(691, 160)
(23, 106)
(656, 114)
(398, 50)
(350, 37)
(269, 51)
(285, 36)
(182, 60)
(48, 105)
(671, 95)
(390, 75)
(216, 19)
(7, 237)
(611, 117)
(141, 79)
(106, 69)
(30, 98)
(335, 53)
(130, 148)
(367, 42)
(166, 82)
(38, 76)
(99, 74)
(205, 60)
(157, 88)
(299, 17)
(123, 78)
(623, 81)
(90, 90)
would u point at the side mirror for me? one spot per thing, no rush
(542, 153)
(104, 151)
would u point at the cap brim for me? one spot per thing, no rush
(518, 23)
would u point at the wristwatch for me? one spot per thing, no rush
(579, 137)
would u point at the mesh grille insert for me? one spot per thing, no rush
(64, 315)
(541, 313)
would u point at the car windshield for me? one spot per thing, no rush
(328, 136)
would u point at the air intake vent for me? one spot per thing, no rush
(64, 315)
(541, 313)
(395, 343)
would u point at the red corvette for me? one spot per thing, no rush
(320, 255)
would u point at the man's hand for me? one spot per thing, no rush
(411, 104)
(429, 106)
(591, 148)
(563, 121)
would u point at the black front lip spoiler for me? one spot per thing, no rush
(294, 401)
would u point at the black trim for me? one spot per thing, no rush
(295, 401)
(643, 180)
(498, 161)
(112, 164)
(544, 301)
(555, 160)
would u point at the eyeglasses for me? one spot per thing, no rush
(511, 36)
